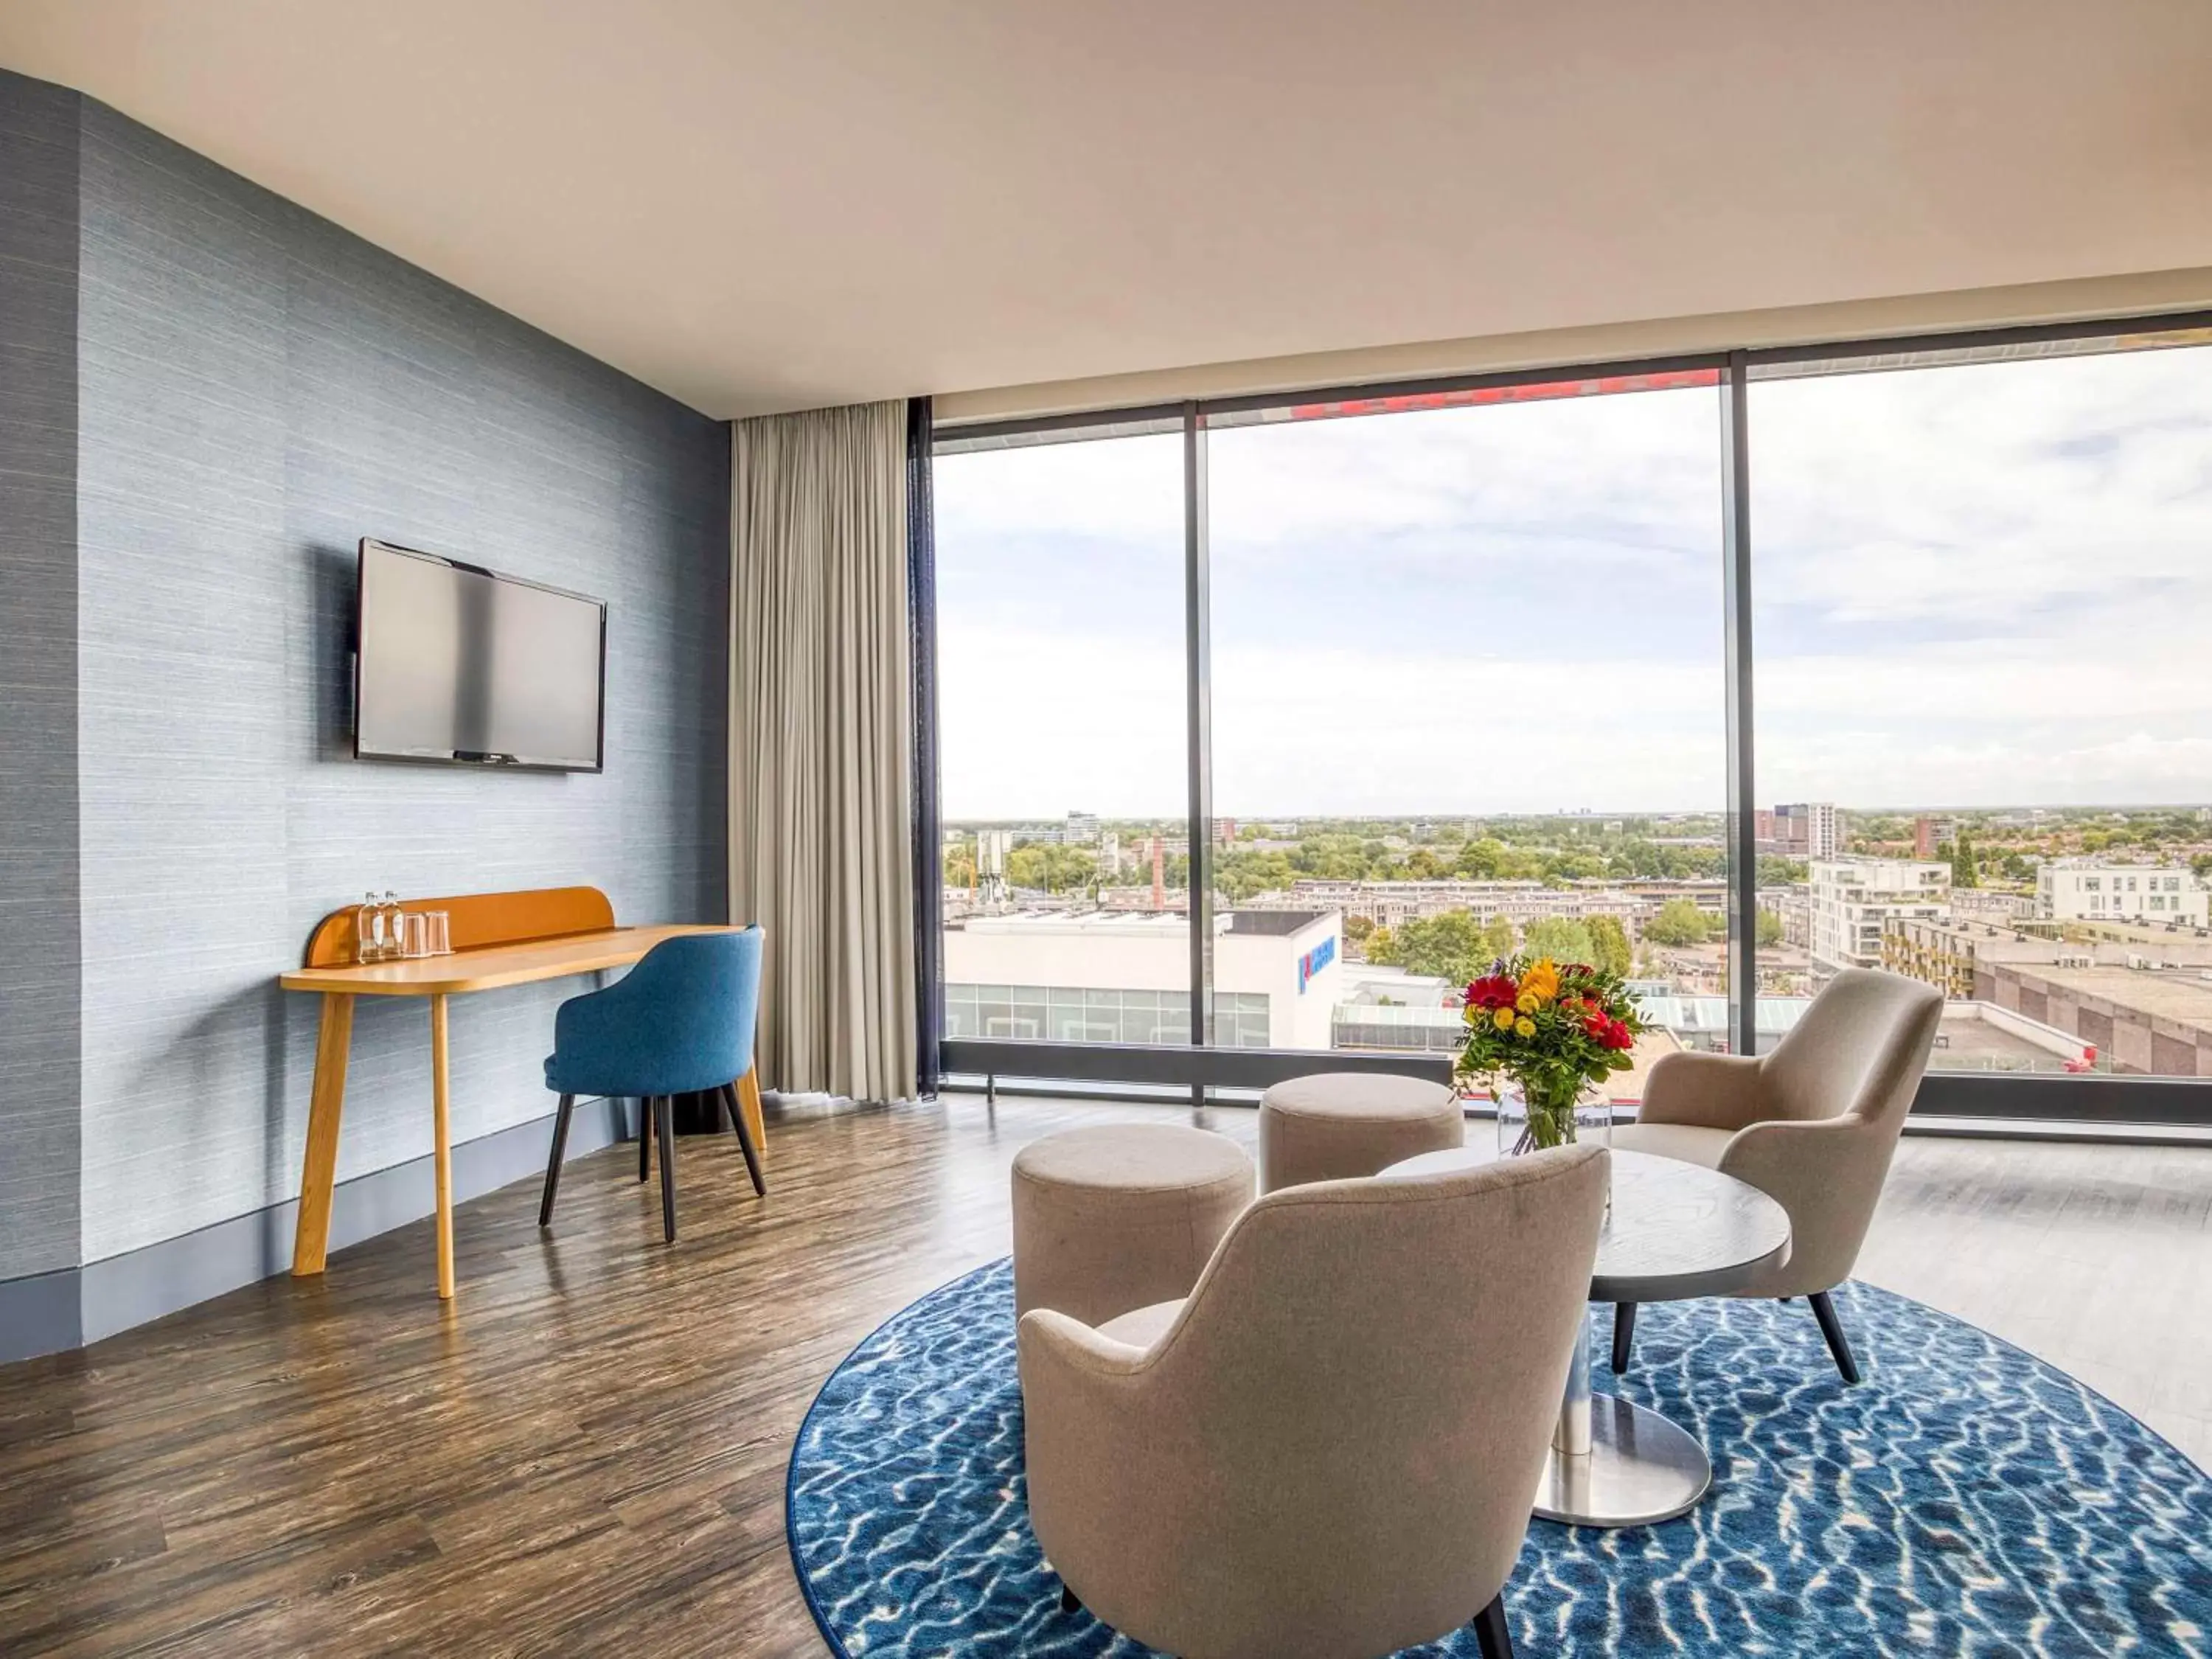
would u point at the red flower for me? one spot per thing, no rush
(1492, 991)
(1618, 1035)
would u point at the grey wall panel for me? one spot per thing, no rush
(182, 636)
(39, 1007)
(261, 390)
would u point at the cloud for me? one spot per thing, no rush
(1977, 585)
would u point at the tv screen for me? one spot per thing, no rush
(455, 663)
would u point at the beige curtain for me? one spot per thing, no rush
(820, 744)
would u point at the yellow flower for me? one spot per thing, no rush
(1541, 982)
(1527, 1002)
(1526, 1028)
(1505, 1017)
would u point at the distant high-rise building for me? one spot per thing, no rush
(1808, 829)
(1930, 833)
(1224, 831)
(1082, 829)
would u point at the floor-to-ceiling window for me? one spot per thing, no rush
(1468, 699)
(1456, 665)
(1062, 718)
(1982, 586)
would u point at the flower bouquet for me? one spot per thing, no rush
(1553, 1032)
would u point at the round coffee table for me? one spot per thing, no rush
(1675, 1230)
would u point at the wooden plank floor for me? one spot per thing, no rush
(585, 1453)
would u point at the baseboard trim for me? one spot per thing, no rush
(40, 1314)
(49, 1313)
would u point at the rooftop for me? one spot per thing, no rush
(2181, 995)
(1276, 922)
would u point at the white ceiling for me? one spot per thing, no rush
(765, 204)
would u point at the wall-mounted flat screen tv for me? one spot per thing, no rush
(453, 662)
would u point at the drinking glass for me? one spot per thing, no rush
(441, 940)
(414, 934)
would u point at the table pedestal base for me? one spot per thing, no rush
(1640, 1469)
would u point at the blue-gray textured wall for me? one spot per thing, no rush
(38, 1029)
(256, 390)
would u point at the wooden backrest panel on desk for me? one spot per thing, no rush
(476, 920)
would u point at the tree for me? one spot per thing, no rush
(1450, 947)
(1679, 922)
(1497, 937)
(2201, 866)
(1963, 871)
(1560, 938)
(1479, 860)
(1769, 929)
(1609, 951)
(1775, 871)
(1041, 865)
(1358, 928)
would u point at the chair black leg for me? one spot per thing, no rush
(745, 1140)
(1490, 1634)
(1624, 1334)
(1833, 1328)
(1068, 1601)
(645, 1137)
(553, 1163)
(664, 1113)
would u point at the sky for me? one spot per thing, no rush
(1988, 585)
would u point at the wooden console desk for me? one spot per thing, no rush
(499, 940)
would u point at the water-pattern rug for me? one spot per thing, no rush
(1964, 1499)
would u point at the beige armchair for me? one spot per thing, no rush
(1328, 1448)
(1811, 1124)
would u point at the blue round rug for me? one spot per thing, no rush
(1966, 1498)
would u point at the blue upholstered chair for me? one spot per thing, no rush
(681, 1022)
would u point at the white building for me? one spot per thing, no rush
(2071, 891)
(1108, 976)
(1852, 899)
(1082, 829)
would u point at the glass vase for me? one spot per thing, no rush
(1531, 1122)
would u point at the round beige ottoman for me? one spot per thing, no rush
(1121, 1216)
(1336, 1126)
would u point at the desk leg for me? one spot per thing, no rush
(311, 1232)
(442, 1128)
(749, 1096)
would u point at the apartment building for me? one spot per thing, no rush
(1854, 899)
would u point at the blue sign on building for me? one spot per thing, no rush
(1315, 960)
